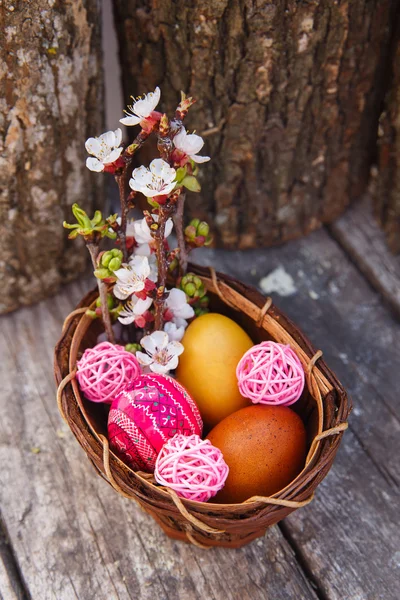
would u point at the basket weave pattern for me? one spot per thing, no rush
(324, 408)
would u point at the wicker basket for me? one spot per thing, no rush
(324, 407)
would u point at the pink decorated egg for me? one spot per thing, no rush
(147, 414)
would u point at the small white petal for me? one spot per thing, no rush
(126, 320)
(144, 250)
(93, 146)
(175, 349)
(140, 266)
(200, 159)
(118, 136)
(130, 120)
(185, 312)
(144, 359)
(168, 227)
(176, 298)
(158, 368)
(173, 363)
(175, 333)
(108, 138)
(142, 306)
(94, 164)
(112, 157)
(145, 106)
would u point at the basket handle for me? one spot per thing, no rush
(60, 390)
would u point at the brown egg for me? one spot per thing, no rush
(264, 448)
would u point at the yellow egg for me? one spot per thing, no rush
(213, 344)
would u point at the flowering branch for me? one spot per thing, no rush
(139, 268)
(159, 236)
(92, 231)
(178, 222)
(93, 248)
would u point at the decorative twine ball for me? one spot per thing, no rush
(270, 373)
(104, 369)
(148, 413)
(192, 467)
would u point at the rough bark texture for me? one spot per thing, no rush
(51, 85)
(292, 88)
(386, 188)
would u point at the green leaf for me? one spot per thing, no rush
(81, 216)
(191, 183)
(153, 203)
(97, 218)
(70, 226)
(74, 234)
(180, 173)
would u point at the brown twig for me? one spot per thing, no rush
(159, 237)
(178, 222)
(93, 248)
(121, 231)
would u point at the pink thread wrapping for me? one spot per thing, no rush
(192, 467)
(104, 369)
(271, 373)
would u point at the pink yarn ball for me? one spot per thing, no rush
(148, 413)
(270, 373)
(104, 369)
(192, 467)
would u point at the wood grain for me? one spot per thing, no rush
(50, 87)
(290, 93)
(354, 509)
(358, 233)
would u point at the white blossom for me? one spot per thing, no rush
(177, 304)
(190, 144)
(141, 231)
(161, 354)
(151, 259)
(158, 180)
(131, 278)
(133, 308)
(105, 150)
(142, 108)
(175, 330)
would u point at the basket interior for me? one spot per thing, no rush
(306, 407)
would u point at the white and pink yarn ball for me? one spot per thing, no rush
(104, 369)
(271, 373)
(192, 467)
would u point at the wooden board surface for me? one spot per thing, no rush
(358, 233)
(73, 537)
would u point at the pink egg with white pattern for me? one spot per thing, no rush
(148, 413)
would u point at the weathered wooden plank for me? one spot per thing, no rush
(358, 233)
(11, 587)
(354, 508)
(73, 536)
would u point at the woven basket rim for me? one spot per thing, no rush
(80, 322)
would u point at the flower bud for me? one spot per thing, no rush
(203, 229)
(110, 302)
(102, 273)
(195, 223)
(114, 264)
(192, 286)
(190, 289)
(190, 232)
(133, 348)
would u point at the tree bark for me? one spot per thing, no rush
(289, 96)
(386, 188)
(50, 56)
